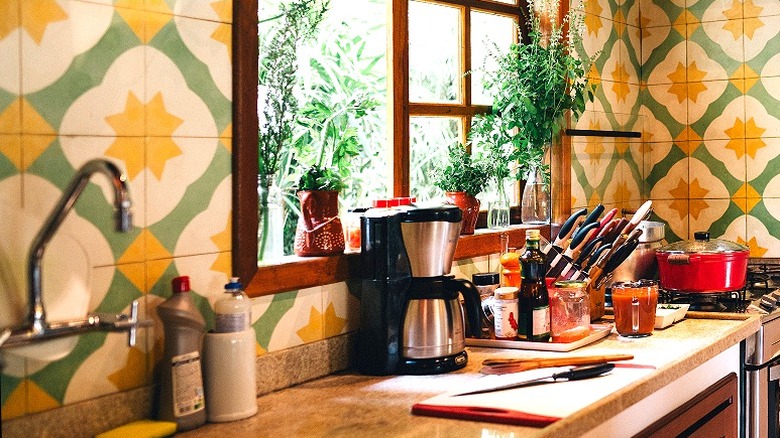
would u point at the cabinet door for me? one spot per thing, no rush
(712, 413)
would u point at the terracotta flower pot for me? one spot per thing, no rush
(319, 231)
(470, 206)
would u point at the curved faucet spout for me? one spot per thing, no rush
(36, 313)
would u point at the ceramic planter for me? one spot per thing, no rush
(470, 206)
(319, 231)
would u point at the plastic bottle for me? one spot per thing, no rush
(234, 310)
(182, 398)
(534, 301)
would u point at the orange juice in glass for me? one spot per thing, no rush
(634, 304)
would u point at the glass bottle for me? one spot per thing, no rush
(535, 205)
(534, 314)
(270, 228)
(498, 207)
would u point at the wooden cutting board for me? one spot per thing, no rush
(535, 406)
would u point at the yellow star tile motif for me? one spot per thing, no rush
(313, 330)
(595, 145)
(756, 250)
(131, 151)
(735, 11)
(38, 15)
(751, 26)
(223, 241)
(620, 87)
(333, 324)
(130, 122)
(594, 77)
(224, 10)
(592, 20)
(16, 403)
(595, 199)
(751, 10)
(133, 373)
(695, 84)
(622, 193)
(678, 87)
(160, 150)
(752, 145)
(737, 145)
(11, 117)
(39, 400)
(160, 121)
(752, 130)
(622, 145)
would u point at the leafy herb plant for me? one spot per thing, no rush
(462, 172)
(537, 82)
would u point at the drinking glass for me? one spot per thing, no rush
(634, 304)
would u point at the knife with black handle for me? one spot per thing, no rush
(576, 373)
(566, 230)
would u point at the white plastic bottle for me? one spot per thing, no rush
(234, 310)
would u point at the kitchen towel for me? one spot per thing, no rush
(535, 406)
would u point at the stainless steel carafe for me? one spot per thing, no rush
(433, 327)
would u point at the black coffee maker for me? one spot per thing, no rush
(411, 320)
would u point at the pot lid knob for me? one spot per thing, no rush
(702, 236)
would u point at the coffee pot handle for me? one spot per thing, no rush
(473, 306)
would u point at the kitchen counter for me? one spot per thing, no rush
(350, 404)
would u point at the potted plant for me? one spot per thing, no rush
(538, 82)
(326, 142)
(277, 78)
(462, 177)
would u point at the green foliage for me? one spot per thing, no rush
(277, 75)
(535, 85)
(462, 172)
(318, 178)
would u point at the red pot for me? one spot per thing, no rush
(703, 265)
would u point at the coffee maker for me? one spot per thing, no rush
(412, 321)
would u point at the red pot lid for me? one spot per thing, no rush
(703, 245)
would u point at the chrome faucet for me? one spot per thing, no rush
(36, 327)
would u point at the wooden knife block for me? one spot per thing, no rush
(596, 296)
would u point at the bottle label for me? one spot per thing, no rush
(541, 321)
(187, 384)
(505, 318)
(231, 322)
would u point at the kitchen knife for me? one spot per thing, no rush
(604, 222)
(579, 240)
(618, 257)
(515, 365)
(566, 230)
(593, 217)
(576, 373)
(587, 250)
(621, 223)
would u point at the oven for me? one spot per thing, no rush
(762, 353)
(760, 379)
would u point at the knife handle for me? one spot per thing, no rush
(585, 371)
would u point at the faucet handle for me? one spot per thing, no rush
(122, 322)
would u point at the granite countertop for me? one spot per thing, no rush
(350, 404)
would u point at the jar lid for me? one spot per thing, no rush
(571, 284)
(703, 245)
(506, 293)
(485, 278)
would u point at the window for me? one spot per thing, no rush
(430, 102)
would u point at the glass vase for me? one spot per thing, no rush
(270, 227)
(535, 206)
(498, 207)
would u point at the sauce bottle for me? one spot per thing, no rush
(534, 318)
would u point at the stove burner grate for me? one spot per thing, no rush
(729, 301)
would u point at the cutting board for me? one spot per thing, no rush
(535, 406)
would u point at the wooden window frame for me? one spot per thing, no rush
(296, 273)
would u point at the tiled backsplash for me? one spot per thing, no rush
(707, 102)
(146, 84)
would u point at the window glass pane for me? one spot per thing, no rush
(434, 53)
(429, 137)
(490, 34)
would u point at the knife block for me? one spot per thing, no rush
(596, 297)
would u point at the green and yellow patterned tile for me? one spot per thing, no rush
(716, 110)
(10, 155)
(10, 34)
(763, 226)
(762, 167)
(290, 319)
(762, 35)
(716, 50)
(342, 310)
(761, 8)
(674, 213)
(716, 10)
(10, 113)
(721, 217)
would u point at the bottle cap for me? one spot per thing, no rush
(233, 285)
(181, 284)
(532, 234)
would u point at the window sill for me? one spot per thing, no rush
(301, 272)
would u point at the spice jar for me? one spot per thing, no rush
(505, 311)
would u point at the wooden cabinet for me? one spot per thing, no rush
(712, 413)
